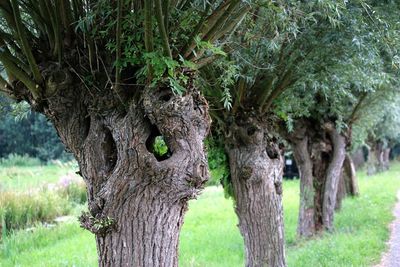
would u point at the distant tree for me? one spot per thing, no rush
(275, 51)
(28, 133)
(360, 81)
(293, 63)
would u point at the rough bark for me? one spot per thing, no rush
(348, 184)
(341, 193)
(256, 165)
(372, 161)
(386, 158)
(137, 200)
(306, 223)
(349, 169)
(333, 176)
(358, 158)
(319, 152)
(378, 157)
(379, 150)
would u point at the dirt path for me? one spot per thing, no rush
(392, 257)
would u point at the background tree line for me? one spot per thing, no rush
(24, 132)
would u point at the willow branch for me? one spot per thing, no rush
(118, 46)
(19, 74)
(190, 45)
(47, 20)
(58, 30)
(225, 24)
(4, 85)
(214, 29)
(6, 12)
(77, 6)
(264, 92)
(24, 43)
(241, 87)
(66, 14)
(148, 34)
(166, 15)
(228, 27)
(6, 38)
(162, 29)
(282, 85)
(353, 117)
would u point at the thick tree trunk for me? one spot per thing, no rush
(351, 181)
(386, 158)
(378, 158)
(256, 171)
(137, 199)
(380, 165)
(319, 151)
(333, 176)
(147, 235)
(306, 221)
(341, 193)
(372, 160)
(358, 158)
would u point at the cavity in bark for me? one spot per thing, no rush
(86, 126)
(109, 150)
(151, 142)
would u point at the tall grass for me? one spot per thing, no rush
(18, 210)
(27, 177)
(43, 204)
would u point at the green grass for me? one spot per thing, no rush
(25, 177)
(210, 236)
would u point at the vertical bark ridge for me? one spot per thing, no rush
(256, 172)
(306, 223)
(333, 176)
(319, 151)
(136, 202)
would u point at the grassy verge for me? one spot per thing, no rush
(24, 178)
(210, 236)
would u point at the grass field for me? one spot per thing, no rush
(210, 237)
(23, 178)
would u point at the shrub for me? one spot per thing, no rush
(18, 210)
(13, 160)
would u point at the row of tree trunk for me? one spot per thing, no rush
(327, 174)
(137, 200)
(378, 157)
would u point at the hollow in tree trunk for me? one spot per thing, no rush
(256, 165)
(137, 198)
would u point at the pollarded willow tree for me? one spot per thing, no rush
(344, 91)
(112, 76)
(379, 130)
(270, 52)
